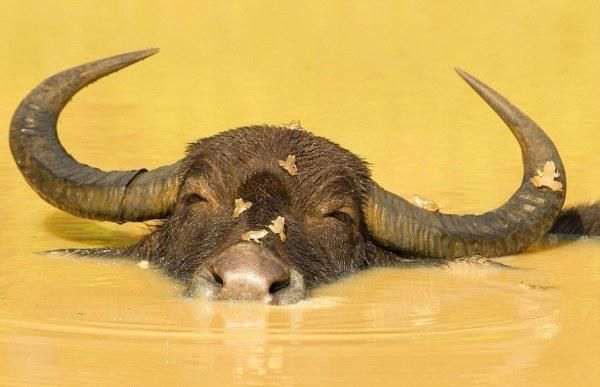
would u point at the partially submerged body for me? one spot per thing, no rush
(265, 212)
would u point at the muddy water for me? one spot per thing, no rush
(377, 79)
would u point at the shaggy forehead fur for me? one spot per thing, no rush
(227, 160)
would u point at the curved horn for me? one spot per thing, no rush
(526, 216)
(77, 188)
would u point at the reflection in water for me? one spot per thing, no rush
(73, 229)
(375, 77)
(487, 312)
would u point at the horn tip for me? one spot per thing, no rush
(126, 59)
(464, 75)
(148, 52)
(152, 50)
(480, 88)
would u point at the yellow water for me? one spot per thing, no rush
(377, 78)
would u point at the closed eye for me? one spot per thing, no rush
(340, 216)
(193, 198)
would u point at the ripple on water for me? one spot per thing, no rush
(378, 305)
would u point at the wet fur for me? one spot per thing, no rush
(243, 163)
(579, 220)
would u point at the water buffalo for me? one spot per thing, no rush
(264, 213)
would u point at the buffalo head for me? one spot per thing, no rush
(264, 212)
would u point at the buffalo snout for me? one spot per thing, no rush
(248, 271)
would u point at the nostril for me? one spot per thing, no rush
(278, 285)
(218, 279)
(246, 272)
